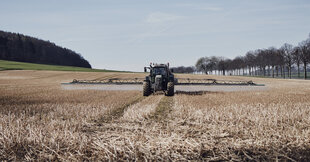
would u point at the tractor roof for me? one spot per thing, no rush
(160, 65)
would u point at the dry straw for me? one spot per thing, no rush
(41, 121)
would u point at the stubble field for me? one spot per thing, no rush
(40, 120)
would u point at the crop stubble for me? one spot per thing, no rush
(39, 120)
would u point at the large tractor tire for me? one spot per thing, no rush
(170, 89)
(146, 88)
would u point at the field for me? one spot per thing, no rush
(39, 120)
(13, 65)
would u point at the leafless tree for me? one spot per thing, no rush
(237, 64)
(282, 63)
(214, 63)
(261, 60)
(183, 69)
(297, 58)
(288, 57)
(201, 65)
(206, 64)
(272, 56)
(250, 61)
(279, 62)
(223, 64)
(267, 62)
(305, 54)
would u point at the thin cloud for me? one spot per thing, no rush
(212, 8)
(160, 17)
(207, 7)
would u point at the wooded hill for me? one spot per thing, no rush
(18, 47)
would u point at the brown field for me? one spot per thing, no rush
(39, 120)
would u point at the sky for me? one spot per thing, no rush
(129, 34)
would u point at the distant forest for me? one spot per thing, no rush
(18, 47)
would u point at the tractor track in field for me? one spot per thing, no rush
(118, 112)
(110, 117)
(163, 109)
(161, 112)
(112, 120)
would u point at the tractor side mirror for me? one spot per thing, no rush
(172, 70)
(145, 69)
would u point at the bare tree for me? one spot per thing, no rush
(250, 61)
(282, 65)
(267, 62)
(201, 65)
(280, 62)
(297, 58)
(243, 64)
(238, 64)
(214, 63)
(182, 69)
(273, 57)
(288, 57)
(207, 64)
(261, 60)
(304, 56)
(223, 64)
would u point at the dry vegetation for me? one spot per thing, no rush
(41, 121)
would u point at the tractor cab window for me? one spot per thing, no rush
(159, 71)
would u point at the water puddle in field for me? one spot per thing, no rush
(178, 88)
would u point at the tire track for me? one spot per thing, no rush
(140, 111)
(116, 113)
(163, 109)
(133, 114)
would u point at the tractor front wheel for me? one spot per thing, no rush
(146, 88)
(170, 89)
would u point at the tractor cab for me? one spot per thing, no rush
(159, 71)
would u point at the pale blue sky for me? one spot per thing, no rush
(128, 34)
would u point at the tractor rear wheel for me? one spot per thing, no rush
(146, 88)
(170, 89)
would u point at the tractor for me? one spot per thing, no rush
(159, 79)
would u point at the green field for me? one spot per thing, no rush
(13, 65)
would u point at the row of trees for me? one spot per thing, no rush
(272, 61)
(18, 47)
(183, 69)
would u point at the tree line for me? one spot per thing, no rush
(183, 69)
(273, 62)
(18, 47)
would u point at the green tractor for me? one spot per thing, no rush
(159, 79)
